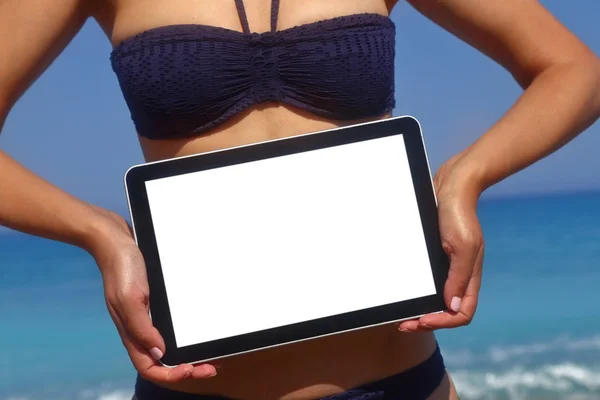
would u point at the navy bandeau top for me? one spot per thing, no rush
(183, 80)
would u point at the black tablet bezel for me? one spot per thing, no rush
(136, 177)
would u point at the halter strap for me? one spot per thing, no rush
(244, 18)
(242, 13)
(274, 14)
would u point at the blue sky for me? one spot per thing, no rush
(72, 127)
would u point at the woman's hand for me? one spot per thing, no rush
(126, 292)
(457, 192)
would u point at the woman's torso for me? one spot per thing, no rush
(303, 370)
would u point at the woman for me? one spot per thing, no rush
(197, 77)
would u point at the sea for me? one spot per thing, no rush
(536, 333)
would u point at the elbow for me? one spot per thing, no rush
(594, 67)
(582, 70)
(585, 75)
(582, 62)
(587, 69)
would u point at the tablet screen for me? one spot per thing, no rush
(289, 239)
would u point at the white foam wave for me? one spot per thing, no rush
(87, 394)
(113, 394)
(564, 381)
(116, 395)
(500, 354)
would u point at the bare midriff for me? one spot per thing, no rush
(308, 369)
(314, 368)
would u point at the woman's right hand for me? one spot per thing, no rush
(127, 297)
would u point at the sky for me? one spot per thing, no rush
(73, 128)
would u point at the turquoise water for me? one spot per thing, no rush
(536, 333)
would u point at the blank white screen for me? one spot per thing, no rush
(289, 239)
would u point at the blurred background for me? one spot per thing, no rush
(536, 334)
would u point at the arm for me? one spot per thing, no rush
(32, 34)
(561, 81)
(560, 75)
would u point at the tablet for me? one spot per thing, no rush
(288, 240)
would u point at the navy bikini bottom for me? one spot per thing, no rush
(417, 383)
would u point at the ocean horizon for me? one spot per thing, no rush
(536, 333)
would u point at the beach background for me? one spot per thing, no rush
(536, 334)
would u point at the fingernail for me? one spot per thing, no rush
(156, 353)
(213, 374)
(455, 304)
(188, 373)
(403, 330)
(424, 325)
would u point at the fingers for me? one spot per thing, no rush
(451, 319)
(204, 371)
(147, 366)
(127, 295)
(150, 370)
(462, 241)
(133, 313)
(410, 326)
(463, 250)
(145, 345)
(464, 316)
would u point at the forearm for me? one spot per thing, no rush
(559, 104)
(30, 204)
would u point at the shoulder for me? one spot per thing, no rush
(522, 36)
(32, 34)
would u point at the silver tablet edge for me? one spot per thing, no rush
(274, 140)
(303, 340)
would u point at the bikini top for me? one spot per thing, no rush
(183, 80)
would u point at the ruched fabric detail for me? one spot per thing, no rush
(183, 80)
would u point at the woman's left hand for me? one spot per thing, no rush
(462, 239)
